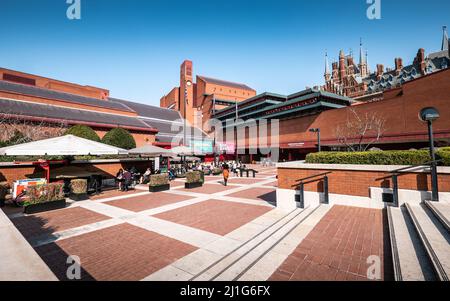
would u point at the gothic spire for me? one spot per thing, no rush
(444, 39)
(361, 53)
(327, 66)
(367, 61)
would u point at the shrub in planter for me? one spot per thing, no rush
(370, 158)
(194, 179)
(216, 171)
(4, 188)
(159, 182)
(444, 155)
(78, 188)
(44, 197)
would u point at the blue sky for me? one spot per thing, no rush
(135, 47)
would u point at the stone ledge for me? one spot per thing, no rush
(18, 260)
(355, 167)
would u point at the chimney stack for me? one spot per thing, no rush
(398, 65)
(420, 60)
(380, 71)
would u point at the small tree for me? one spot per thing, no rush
(360, 131)
(15, 129)
(119, 137)
(83, 131)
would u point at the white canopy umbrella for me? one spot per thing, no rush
(68, 145)
(182, 151)
(151, 150)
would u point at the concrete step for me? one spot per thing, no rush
(441, 211)
(262, 269)
(434, 236)
(411, 262)
(231, 266)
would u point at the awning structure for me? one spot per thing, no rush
(68, 145)
(182, 151)
(151, 151)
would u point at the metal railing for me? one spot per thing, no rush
(394, 174)
(300, 198)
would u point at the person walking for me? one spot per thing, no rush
(226, 174)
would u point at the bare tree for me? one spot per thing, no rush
(361, 130)
(11, 125)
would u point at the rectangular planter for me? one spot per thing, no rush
(79, 197)
(193, 185)
(159, 188)
(36, 208)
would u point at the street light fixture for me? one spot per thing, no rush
(429, 115)
(317, 130)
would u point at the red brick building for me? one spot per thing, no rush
(309, 109)
(204, 96)
(40, 100)
(354, 79)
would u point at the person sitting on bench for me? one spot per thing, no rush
(127, 177)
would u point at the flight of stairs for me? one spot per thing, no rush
(235, 264)
(420, 241)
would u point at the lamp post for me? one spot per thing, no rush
(317, 130)
(429, 115)
(188, 84)
(237, 117)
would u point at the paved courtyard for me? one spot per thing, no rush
(129, 236)
(212, 232)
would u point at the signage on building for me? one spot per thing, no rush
(202, 146)
(225, 147)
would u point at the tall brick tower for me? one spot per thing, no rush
(342, 72)
(187, 105)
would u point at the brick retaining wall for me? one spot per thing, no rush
(357, 182)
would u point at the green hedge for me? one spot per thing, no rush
(370, 158)
(444, 155)
(83, 131)
(119, 137)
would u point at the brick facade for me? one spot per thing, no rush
(358, 183)
(20, 172)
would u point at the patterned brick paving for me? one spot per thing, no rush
(149, 201)
(338, 247)
(260, 194)
(215, 216)
(210, 188)
(54, 221)
(272, 184)
(244, 181)
(111, 194)
(122, 252)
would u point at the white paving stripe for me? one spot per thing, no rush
(190, 265)
(192, 236)
(61, 235)
(267, 265)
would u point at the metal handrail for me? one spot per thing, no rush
(400, 170)
(315, 176)
(394, 174)
(301, 197)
